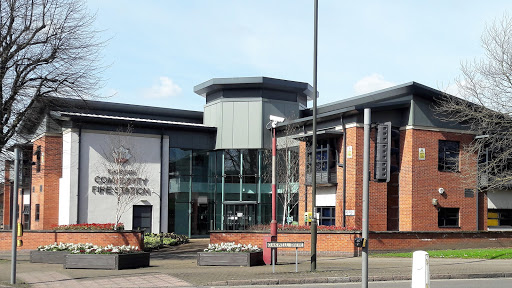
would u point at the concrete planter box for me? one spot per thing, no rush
(229, 258)
(107, 261)
(50, 257)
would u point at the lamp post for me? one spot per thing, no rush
(14, 217)
(313, 159)
(273, 225)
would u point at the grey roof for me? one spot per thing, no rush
(216, 84)
(393, 97)
(122, 110)
(63, 114)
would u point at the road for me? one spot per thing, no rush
(455, 283)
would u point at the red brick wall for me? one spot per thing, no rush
(426, 181)
(33, 239)
(343, 242)
(48, 178)
(418, 183)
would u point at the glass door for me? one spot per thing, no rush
(239, 216)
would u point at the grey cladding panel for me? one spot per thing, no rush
(240, 124)
(424, 115)
(191, 140)
(227, 125)
(255, 125)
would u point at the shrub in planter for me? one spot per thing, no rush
(108, 257)
(230, 254)
(154, 241)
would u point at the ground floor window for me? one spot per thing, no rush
(448, 217)
(499, 217)
(326, 216)
(142, 215)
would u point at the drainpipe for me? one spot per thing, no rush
(344, 223)
(78, 180)
(161, 176)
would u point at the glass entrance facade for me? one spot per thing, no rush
(218, 190)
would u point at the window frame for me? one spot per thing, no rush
(37, 212)
(443, 215)
(332, 217)
(446, 162)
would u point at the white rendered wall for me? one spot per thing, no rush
(68, 184)
(499, 199)
(98, 207)
(325, 196)
(164, 219)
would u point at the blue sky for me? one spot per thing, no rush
(159, 50)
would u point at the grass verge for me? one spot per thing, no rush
(496, 253)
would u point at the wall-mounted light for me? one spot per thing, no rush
(435, 202)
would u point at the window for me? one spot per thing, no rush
(448, 156)
(142, 218)
(448, 217)
(499, 217)
(37, 213)
(38, 158)
(326, 216)
(325, 161)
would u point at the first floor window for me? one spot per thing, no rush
(448, 156)
(448, 217)
(326, 216)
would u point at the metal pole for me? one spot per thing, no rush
(366, 194)
(296, 260)
(14, 219)
(313, 152)
(273, 262)
(273, 224)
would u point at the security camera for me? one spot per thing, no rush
(441, 190)
(276, 119)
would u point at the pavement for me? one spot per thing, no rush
(177, 267)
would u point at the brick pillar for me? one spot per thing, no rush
(45, 182)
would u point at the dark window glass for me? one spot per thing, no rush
(232, 162)
(327, 216)
(142, 218)
(499, 217)
(179, 162)
(448, 156)
(38, 158)
(448, 217)
(37, 212)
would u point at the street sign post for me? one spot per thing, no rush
(275, 245)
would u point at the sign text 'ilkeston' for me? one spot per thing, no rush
(121, 181)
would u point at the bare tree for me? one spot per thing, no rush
(128, 175)
(287, 169)
(485, 105)
(48, 48)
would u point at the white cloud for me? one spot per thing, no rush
(165, 88)
(371, 83)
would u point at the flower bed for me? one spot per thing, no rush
(91, 226)
(88, 256)
(88, 248)
(230, 254)
(281, 227)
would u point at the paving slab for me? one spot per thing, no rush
(177, 267)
